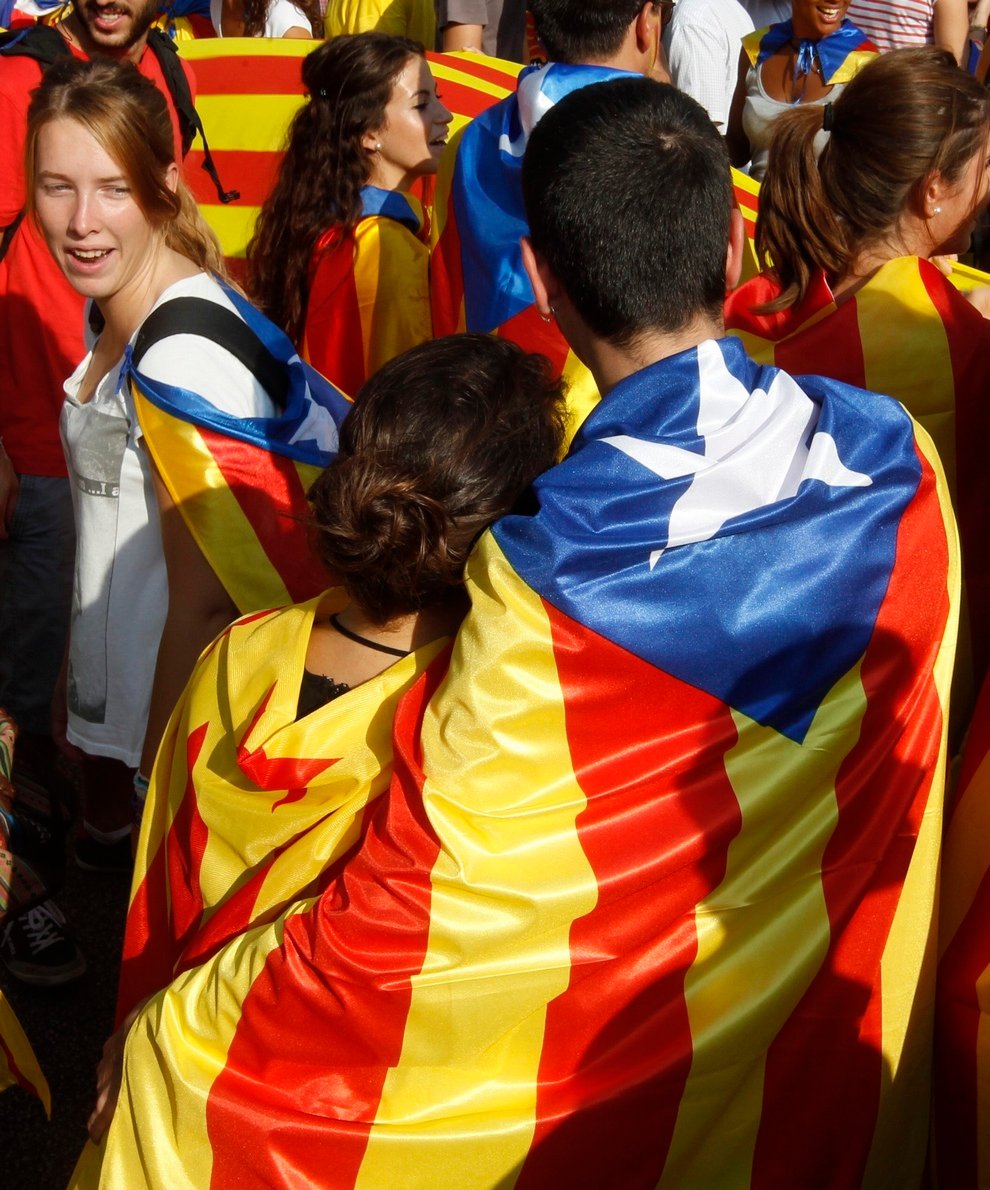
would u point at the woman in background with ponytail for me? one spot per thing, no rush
(851, 289)
(339, 258)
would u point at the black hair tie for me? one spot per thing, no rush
(828, 118)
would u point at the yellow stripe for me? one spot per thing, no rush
(247, 123)
(245, 47)
(502, 906)
(15, 1039)
(762, 935)
(234, 226)
(907, 969)
(206, 503)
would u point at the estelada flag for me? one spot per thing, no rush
(248, 805)
(247, 91)
(241, 483)
(650, 899)
(909, 334)
(477, 279)
(961, 1101)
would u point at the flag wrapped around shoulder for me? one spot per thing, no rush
(841, 55)
(369, 290)
(962, 1022)
(477, 279)
(650, 900)
(249, 805)
(241, 483)
(907, 333)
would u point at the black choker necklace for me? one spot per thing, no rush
(363, 640)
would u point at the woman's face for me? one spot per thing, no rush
(815, 19)
(414, 132)
(100, 238)
(961, 205)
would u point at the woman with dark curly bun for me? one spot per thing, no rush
(283, 736)
(339, 257)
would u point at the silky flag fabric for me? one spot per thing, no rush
(842, 54)
(241, 483)
(909, 334)
(650, 899)
(247, 91)
(477, 279)
(962, 1021)
(369, 290)
(248, 806)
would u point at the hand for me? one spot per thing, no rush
(109, 1073)
(9, 487)
(945, 262)
(980, 298)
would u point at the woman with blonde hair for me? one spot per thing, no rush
(158, 422)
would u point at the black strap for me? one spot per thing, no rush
(363, 640)
(198, 316)
(163, 47)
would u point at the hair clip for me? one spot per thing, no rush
(828, 118)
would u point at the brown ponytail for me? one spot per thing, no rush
(908, 115)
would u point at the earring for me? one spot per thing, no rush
(378, 146)
(936, 210)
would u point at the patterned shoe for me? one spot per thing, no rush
(37, 948)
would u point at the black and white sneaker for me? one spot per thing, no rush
(37, 947)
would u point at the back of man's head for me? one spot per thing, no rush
(628, 195)
(579, 31)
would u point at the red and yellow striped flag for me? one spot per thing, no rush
(18, 1064)
(962, 1020)
(650, 900)
(909, 334)
(248, 90)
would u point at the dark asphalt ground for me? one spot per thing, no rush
(67, 1027)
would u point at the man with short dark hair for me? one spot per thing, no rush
(650, 900)
(41, 342)
(477, 282)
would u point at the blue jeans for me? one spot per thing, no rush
(36, 564)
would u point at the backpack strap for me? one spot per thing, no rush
(43, 43)
(209, 320)
(163, 47)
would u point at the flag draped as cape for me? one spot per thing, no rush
(908, 333)
(650, 899)
(241, 483)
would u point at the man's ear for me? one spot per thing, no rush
(543, 279)
(735, 252)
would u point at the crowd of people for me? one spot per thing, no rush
(513, 655)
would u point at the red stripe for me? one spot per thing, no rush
(824, 1071)
(248, 75)
(968, 335)
(464, 99)
(447, 278)
(270, 493)
(324, 1021)
(168, 902)
(477, 69)
(17, 1074)
(529, 330)
(333, 339)
(658, 823)
(252, 173)
(959, 1015)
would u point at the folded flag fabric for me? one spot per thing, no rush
(961, 1101)
(369, 290)
(477, 279)
(650, 899)
(241, 483)
(248, 806)
(908, 333)
(842, 54)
